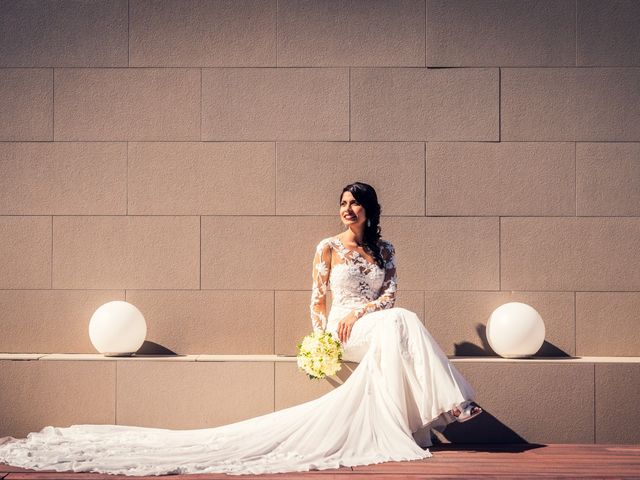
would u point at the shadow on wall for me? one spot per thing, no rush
(152, 349)
(470, 349)
(484, 429)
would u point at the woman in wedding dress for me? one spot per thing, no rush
(403, 387)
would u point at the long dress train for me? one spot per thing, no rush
(402, 388)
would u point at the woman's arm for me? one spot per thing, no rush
(389, 287)
(320, 273)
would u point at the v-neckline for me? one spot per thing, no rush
(356, 252)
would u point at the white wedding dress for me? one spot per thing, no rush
(401, 390)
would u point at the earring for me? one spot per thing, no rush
(368, 222)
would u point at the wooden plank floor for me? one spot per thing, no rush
(522, 461)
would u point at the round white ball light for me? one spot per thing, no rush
(117, 328)
(515, 330)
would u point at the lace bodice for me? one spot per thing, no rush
(354, 281)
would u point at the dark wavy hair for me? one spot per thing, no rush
(366, 196)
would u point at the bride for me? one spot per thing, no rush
(403, 388)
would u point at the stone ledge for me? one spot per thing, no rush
(290, 358)
(192, 391)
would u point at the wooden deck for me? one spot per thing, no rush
(584, 461)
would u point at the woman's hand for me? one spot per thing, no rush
(344, 327)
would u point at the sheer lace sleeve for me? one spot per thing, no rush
(320, 272)
(387, 298)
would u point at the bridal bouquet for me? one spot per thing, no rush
(319, 354)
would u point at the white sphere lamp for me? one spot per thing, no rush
(515, 330)
(117, 328)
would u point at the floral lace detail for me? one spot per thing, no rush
(354, 281)
(320, 274)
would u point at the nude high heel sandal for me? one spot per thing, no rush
(465, 410)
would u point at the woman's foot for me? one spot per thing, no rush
(469, 410)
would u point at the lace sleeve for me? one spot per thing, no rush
(388, 297)
(320, 272)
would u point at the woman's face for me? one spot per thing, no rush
(351, 212)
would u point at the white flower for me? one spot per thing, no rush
(321, 267)
(319, 354)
